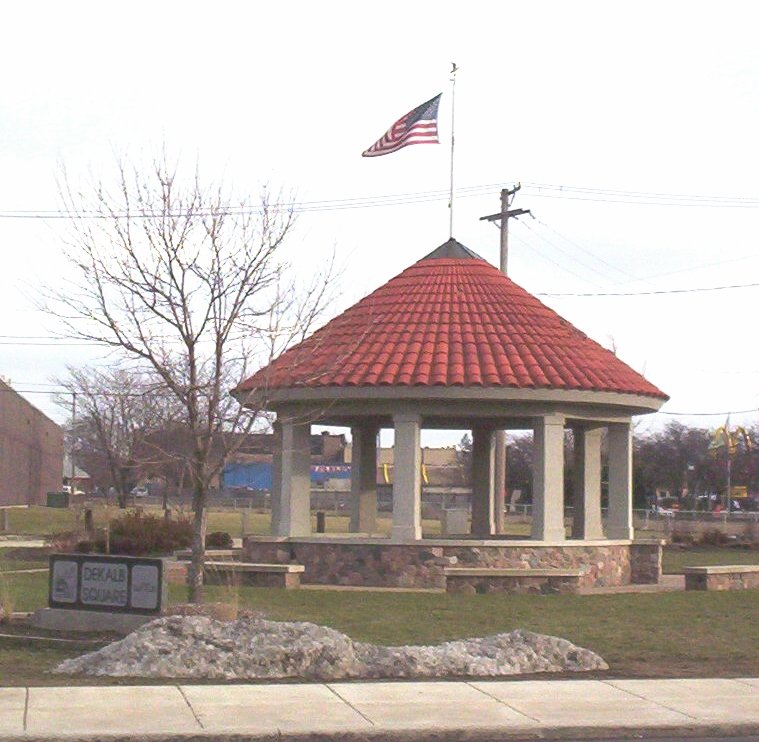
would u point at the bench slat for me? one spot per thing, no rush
(252, 567)
(512, 572)
(187, 553)
(722, 569)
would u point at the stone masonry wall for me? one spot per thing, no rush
(421, 566)
(645, 563)
(515, 585)
(735, 581)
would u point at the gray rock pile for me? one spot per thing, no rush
(254, 648)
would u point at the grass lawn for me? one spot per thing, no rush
(675, 559)
(640, 635)
(43, 522)
(13, 565)
(40, 521)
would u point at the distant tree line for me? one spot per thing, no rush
(680, 459)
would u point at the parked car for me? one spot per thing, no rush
(140, 492)
(665, 506)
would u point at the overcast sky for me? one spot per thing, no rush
(633, 127)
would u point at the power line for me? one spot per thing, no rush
(647, 194)
(51, 341)
(708, 414)
(650, 198)
(658, 292)
(550, 260)
(53, 344)
(567, 253)
(154, 392)
(540, 190)
(589, 252)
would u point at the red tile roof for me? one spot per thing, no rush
(451, 319)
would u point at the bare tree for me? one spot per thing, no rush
(190, 285)
(116, 409)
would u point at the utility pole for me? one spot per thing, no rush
(503, 216)
(72, 456)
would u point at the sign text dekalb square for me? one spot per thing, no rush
(112, 583)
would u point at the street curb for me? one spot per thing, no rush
(418, 734)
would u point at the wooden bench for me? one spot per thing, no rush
(219, 554)
(258, 575)
(512, 580)
(722, 577)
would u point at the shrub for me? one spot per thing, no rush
(138, 534)
(219, 540)
(681, 537)
(65, 542)
(131, 534)
(714, 537)
(751, 534)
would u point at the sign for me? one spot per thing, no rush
(106, 583)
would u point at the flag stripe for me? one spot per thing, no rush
(416, 127)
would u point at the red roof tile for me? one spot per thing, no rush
(451, 319)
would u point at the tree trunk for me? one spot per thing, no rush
(197, 558)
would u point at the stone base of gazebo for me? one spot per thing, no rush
(379, 562)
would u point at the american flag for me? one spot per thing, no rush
(416, 127)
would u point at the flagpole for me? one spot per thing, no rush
(454, 70)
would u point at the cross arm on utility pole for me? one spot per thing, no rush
(503, 216)
(508, 214)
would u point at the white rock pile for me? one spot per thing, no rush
(246, 649)
(254, 648)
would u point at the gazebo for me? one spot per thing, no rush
(452, 343)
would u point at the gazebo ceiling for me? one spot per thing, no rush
(451, 321)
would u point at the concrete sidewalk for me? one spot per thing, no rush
(446, 710)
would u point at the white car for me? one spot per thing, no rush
(140, 492)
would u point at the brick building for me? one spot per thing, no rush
(31, 451)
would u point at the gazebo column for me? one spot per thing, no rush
(548, 478)
(291, 486)
(407, 478)
(586, 523)
(483, 482)
(364, 479)
(620, 481)
(276, 477)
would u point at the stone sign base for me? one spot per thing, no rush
(376, 562)
(65, 619)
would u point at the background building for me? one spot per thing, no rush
(31, 451)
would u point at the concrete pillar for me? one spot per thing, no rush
(407, 478)
(483, 482)
(276, 478)
(292, 486)
(501, 481)
(586, 523)
(548, 478)
(364, 479)
(620, 481)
